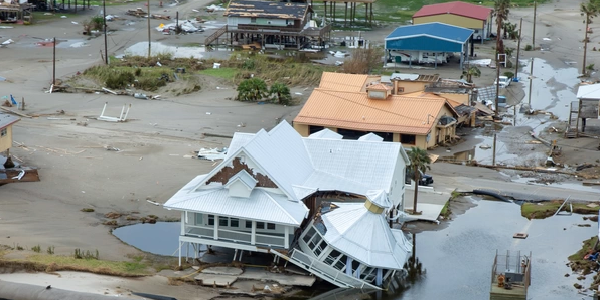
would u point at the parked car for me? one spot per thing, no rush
(504, 81)
(425, 179)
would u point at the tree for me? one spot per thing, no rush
(470, 72)
(281, 93)
(252, 89)
(501, 14)
(589, 10)
(363, 60)
(420, 161)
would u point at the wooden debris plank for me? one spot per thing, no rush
(15, 112)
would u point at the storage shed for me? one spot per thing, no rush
(424, 39)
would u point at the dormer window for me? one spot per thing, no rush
(241, 185)
(378, 91)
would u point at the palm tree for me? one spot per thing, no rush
(589, 10)
(252, 89)
(281, 93)
(420, 161)
(501, 13)
(470, 72)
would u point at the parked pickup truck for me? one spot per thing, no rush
(504, 81)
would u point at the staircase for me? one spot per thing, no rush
(213, 37)
(572, 129)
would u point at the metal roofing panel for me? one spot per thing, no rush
(239, 139)
(458, 8)
(370, 165)
(326, 134)
(370, 137)
(435, 30)
(589, 91)
(7, 119)
(342, 109)
(365, 236)
(273, 151)
(266, 9)
(261, 205)
(343, 81)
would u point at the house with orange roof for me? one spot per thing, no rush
(421, 120)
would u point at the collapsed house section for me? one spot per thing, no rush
(272, 194)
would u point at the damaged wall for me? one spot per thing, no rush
(227, 172)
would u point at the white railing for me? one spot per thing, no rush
(235, 236)
(327, 272)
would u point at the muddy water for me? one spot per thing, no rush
(457, 258)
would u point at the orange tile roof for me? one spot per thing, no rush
(379, 86)
(422, 94)
(354, 110)
(343, 82)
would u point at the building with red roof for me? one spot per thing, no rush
(457, 13)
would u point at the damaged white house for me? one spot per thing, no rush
(320, 202)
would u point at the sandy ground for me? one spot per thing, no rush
(153, 162)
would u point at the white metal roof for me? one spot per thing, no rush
(326, 134)
(365, 236)
(298, 167)
(379, 198)
(245, 178)
(589, 91)
(370, 137)
(262, 205)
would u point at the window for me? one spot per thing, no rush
(198, 219)
(312, 129)
(3, 132)
(400, 89)
(270, 226)
(260, 225)
(235, 222)
(223, 221)
(211, 220)
(253, 20)
(248, 224)
(408, 139)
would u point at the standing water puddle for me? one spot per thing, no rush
(160, 238)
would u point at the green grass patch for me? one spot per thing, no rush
(53, 263)
(226, 73)
(120, 77)
(546, 209)
(446, 212)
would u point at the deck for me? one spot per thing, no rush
(500, 293)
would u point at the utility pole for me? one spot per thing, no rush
(585, 42)
(531, 81)
(53, 61)
(515, 115)
(518, 48)
(497, 83)
(105, 38)
(494, 152)
(149, 43)
(534, 21)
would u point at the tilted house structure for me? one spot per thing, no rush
(271, 185)
(458, 13)
(271, 24)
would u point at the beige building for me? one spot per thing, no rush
(414, 121)
(458, 13)
(6, 123)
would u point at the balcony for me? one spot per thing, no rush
(267, 240)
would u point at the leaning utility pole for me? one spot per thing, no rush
(518, 48)
(534, 21)
(497, 83)
(105, 38)
(149, 43)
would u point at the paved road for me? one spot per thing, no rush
(519, 191)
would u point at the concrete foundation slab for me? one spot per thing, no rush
(230, 271)
(218, 280)
(285, 279)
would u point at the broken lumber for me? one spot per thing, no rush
(15, 112)
(109, 91)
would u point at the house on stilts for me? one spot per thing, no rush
(319, 202)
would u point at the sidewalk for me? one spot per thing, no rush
(430, 202)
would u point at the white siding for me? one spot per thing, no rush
(397, 185)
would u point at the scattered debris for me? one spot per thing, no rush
(152, 202)
(520, 235)
(111, 148)
(122, 117)
(137, 13)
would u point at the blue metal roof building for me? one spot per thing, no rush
(429, 37)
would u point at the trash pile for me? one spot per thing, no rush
(187, 26)
(213, 8)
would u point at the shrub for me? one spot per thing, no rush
(281, 93)
(509, 74)
(253, 89)
(528, 47)
(120, 81)
(50, 250)
(36, 249)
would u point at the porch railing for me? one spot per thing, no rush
(235, 236)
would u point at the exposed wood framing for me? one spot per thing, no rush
(226, 173)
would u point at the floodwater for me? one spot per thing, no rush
(160, 238)
(553, 88)
(456, 259)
